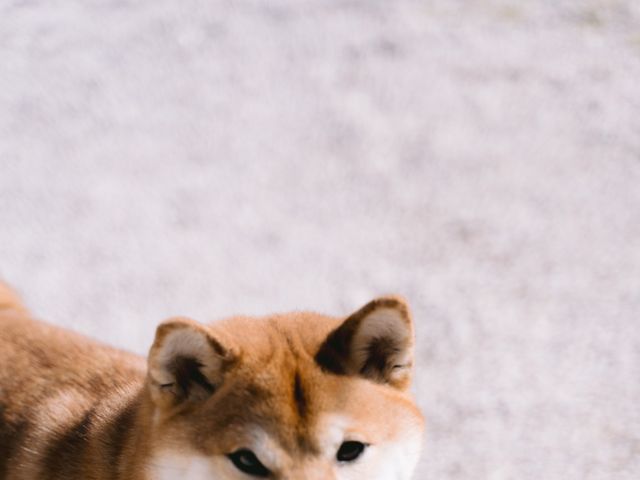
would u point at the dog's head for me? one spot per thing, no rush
(295, 396)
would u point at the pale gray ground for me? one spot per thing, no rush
(481, 158)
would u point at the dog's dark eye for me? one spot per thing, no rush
(350, 450)
(247, 462)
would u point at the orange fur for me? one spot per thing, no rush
(71, 408)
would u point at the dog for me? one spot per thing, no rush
(296, 396)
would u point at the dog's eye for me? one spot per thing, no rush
(350, 450)
(247, 462)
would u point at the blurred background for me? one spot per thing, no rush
(482, 158)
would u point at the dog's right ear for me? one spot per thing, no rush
(186, 363)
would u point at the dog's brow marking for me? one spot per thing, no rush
(299, 395)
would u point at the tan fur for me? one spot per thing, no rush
(71, 408)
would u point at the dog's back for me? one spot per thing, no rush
(56, 386)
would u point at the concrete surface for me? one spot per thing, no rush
(480, 157)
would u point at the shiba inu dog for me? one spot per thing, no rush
(299, 396)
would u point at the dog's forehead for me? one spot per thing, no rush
(283, 396)
(277, 387)
(264, 337)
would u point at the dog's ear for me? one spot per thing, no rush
(186, 363)
(376, 343)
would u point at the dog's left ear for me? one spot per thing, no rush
(186, 363)
(376, 343)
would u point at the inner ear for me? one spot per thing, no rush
(186, 363)
(189, 378)
(376, 343)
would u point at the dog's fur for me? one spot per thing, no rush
(291, 388)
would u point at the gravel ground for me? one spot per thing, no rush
(480, 157)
